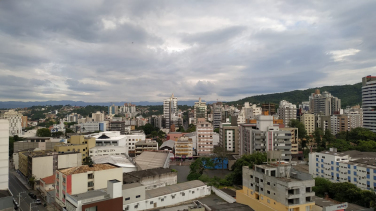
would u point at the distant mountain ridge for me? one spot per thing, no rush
(350, 95)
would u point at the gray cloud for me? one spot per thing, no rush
(146, 50)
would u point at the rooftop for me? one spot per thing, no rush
(150, 160)
(131, 185)
(90, 194)
(86, 168)
(49, 180)
(328, 202)
(118, 160)
(144, 173)
(231, 207)
(173, 188)
(4, 193)
(169, 143)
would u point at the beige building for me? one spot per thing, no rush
(184, 148)
(77, 144)
(24, 122)
(200, 111)
(294, 139)
(309, 122)
(42, 143)
(204, 131)
(84, 178)
(41, 164)
(147, 145)
(15, 119)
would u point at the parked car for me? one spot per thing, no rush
(37, 201)
(32, 195)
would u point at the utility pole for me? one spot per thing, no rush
(32, 203)
(19, 197)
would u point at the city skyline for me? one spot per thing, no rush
(98, 52)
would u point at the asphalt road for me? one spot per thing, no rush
(16, 187)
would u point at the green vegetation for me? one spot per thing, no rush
(88, 110)
(191, 128)
(43, 132)
(153, 132)
(350, 95)
(13, 139)
(344, 192)
(36, 112)
(88, 161)
(234, 178)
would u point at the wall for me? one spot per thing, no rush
(131, 193)
(6, 203)
(69, 160)
(4, 153)
(111, 204)
(79, 183)
(101, 177)
(168, 199)
(159, 180)
(223, 195)
(42, 167)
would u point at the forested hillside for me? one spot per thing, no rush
(350, 95)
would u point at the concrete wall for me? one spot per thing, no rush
(101, 177)
(69, 160)
(131, 193)
(159, 180)
(223, 195)
(79, 183)
(4, 153)
(169, 199)
(6, 203)
(42, 167)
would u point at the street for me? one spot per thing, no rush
(16, 187)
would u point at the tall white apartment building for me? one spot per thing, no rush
(309, 122)
(4, 154)
(356, 167)
(369, 102)
(286, 112)
(324, 104)
(217, 114)
(204, 137)
(200, 111)
(170, 110)
(15, 119)
(249, 111)
(97, 117)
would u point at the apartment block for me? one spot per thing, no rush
(356, 167)
(77, 143)
(170, 110)
(4, 154)
(265, 136)
(204, 137)
(217, 114)
(97, 117)
(147, 145)
(184, 148)
(84, 178)
(229, 137)
(278, 187)
(309, 122)
(294, 139)
(324, 104)
(15, 119)
(369, 102)
(286, 111)
(200, 111)
(41, 164)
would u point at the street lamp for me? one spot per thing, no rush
(19, 197)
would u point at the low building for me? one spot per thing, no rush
(184, 148)
(151, 178)
(98, 200)
(274, 186)
(175, 135)
(121, 161)
(43, 143)
(46, 185)
(137, 198)
(6, 200)
(168, 146)
(107, 150)
(77, 143)
(150, 160)
(41, 164)
(147, 145)
(84, 178)
(356, 167)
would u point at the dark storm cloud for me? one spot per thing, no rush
(145, 50)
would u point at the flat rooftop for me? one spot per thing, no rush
(90, 194)
(86, 168)
(144, 173)
(4, 193)
(150, 160)
(131, 185)
(173, 188)
(321, 202)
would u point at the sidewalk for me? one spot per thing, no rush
(21, 179)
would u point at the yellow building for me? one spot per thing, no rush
(276, 187)
(77, 143)
(309, 122)
(23, 162)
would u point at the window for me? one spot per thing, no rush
(162, 199)
(268, 183)
(128, 198)
(151, 202)
(91, 209)
(268, 192)
(138, 196)
(268, 201)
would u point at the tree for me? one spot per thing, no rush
(216, 130)
(220, 154)
(328, 137)
(88, 161)
(317, 134)
(43, 132)
(180, 129)
(246, 160)
(197, 167)
(57, 134)
(154, 134)
(302, 133)
(191, 128)
(341, 145)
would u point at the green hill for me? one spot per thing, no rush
(350, 95)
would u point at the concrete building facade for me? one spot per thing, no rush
(184, 148)
(204, 137)
(273, 187)
(286, 111)
(309, 122)
(151, 178)
(228, 137)
(170, 110)
(77, 143)
(369, 102)
(15, 119)
(4, 154)
(200, 111)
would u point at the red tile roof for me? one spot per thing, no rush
(49, 180)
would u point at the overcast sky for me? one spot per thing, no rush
(103, 51)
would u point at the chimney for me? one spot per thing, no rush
(114, 188)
